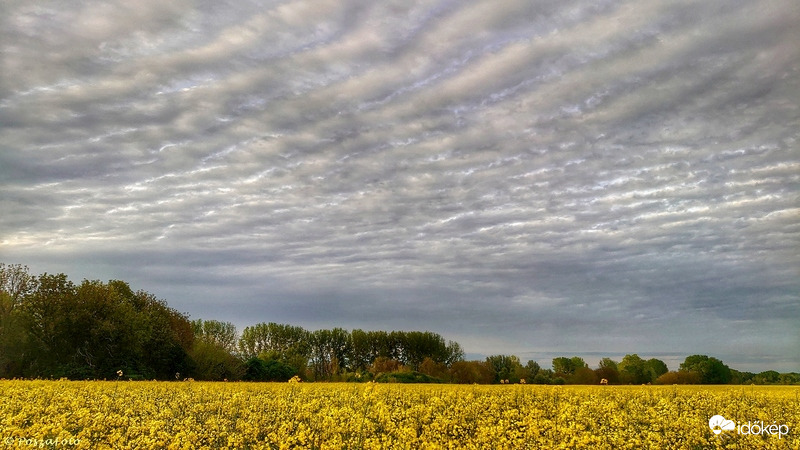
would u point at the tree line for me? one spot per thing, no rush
(632, 369)
(53, 328)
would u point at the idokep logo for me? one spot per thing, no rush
(718, 424)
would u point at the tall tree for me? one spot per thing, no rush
(361, 354)
(506, 367)
(329, 350)
(95, 329)
(454, 353)
(170, 337)
(608, 369)
(632, 370)
(608, 363)
(583, 375)
(418, 345)
(214, 350)
(274, 338)
(563, 366)
(12, 339)
(532, 367)
(222, 334)
(44, 314)
(654, 368)
(15, 283)
(469, 372)
(567, 366)
(711, 370)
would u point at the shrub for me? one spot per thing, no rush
(406, 377)
(679, 377)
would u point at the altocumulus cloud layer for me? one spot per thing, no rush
(568, 177)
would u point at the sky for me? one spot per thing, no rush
(538, 178)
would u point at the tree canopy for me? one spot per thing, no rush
(52, 328)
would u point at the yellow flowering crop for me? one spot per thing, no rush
(197, 415)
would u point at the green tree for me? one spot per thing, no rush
(469, 372)
(632, 370)
(15, 283)
(214, 363)
(418, 345)
(679, 377)
(434, 369)
(370, 345)
(710, 369)
(453, 353)
(329, 352)
(608, 369)
(384, 364)
(608, 363)
(222, 334)
(257, 369)
(578, 362)
(654, 368)
(44, 315)
(532, 369)
(546, 376)
(567, 366)
(583, 375)
(12, 339)
(104, 332)
(167, 337)
(789, 378)
(563, 366)
(95, 329)
(506, 367)
(49, 327)
(361, 355)
(213, 351)
(273, 337)
(768, 377)
(397, 341)
(742, 377)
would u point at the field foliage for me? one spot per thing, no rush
(188, 415)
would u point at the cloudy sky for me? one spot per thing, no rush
(542, 178)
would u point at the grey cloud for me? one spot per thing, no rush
(619, 173)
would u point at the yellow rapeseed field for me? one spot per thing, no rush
(189, 415)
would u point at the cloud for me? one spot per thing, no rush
(576, 177)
